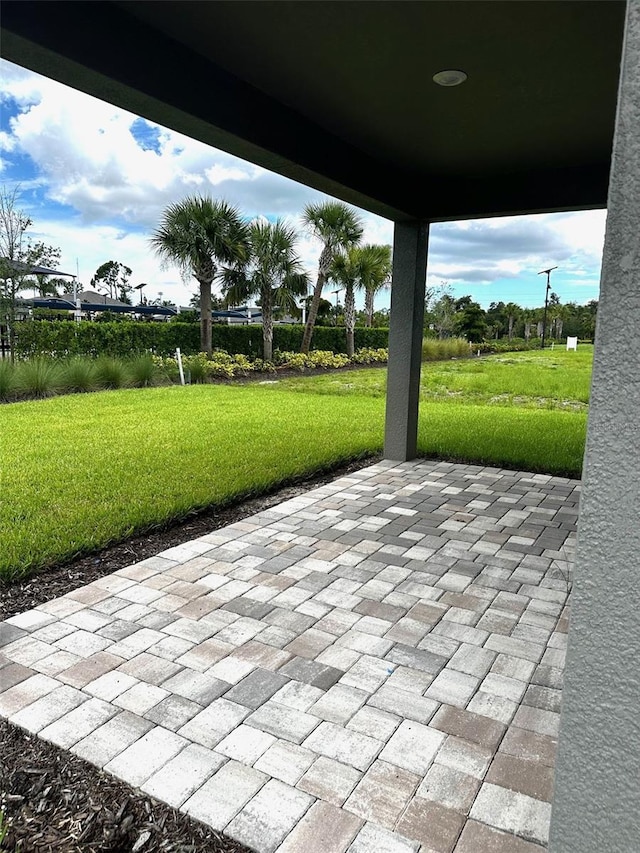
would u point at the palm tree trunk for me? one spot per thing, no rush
(323, 268)
(267, 325)
(205, 317)
(349, 317)
(368, 305)
(511, 320)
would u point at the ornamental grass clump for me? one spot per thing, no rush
(79, 376)
(111, 373)
(441, 350)
(7, 381)
(38, 378)
(142, 371)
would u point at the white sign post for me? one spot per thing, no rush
(179, 357)
(572, 343)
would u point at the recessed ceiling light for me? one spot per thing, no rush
(450, 77)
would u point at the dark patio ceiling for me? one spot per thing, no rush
(339, 95)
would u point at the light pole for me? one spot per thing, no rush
(546, 300)
(139, 287)
(336, 294)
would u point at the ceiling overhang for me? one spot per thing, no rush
(339, 95)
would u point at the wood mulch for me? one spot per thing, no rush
(54, 802)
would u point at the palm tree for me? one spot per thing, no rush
(199, 235)
(339, 227)
(512, 312)
(365, 267)
(273, 273)
(378, 275)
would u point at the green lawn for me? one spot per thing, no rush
(81, 471)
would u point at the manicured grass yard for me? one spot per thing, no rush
(84, 470)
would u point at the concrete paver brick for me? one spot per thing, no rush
(82, 643)
(197, 686)
(481, 730)
(323, 829)
(537, 720)
(30, 620)
(148, 754)
(339, 704)
(173, 712)
(110, 685)
(465, 756)
(512, 812)
(479, 838)
(413, 747)
(526, 777)
(55, 663)
(214, 722)
(451, 788)
(382, 794)
(183, 774)
(285, 761)
(245, 744)
(282, 722)
(330, 780)
(374, 723)
(529, 745)
(374, 839)
(256, 688)
(311, 672)
(14, 673)
(343, 745)
(111, 738)
(453, 687)
(297, 695)
(76, 724)
(472, 660)
(224, 794)
(49, 708)
(25, 692)
(411, 706)
(140, 698)
(269, 816)
(231, 669)
(434, 825)
(490, 705)
(26, 650)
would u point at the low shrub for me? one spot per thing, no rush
(370, 355)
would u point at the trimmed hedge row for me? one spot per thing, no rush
(124, 338)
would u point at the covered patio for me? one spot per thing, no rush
(341, 96)
(373, 666)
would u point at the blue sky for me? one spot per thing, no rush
(94, 179)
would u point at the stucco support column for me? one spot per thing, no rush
(405, 339)
(596, 805)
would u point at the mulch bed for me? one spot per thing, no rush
(58, 803)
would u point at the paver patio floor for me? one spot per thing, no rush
(373, 666)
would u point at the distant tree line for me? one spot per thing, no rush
(446, 316)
